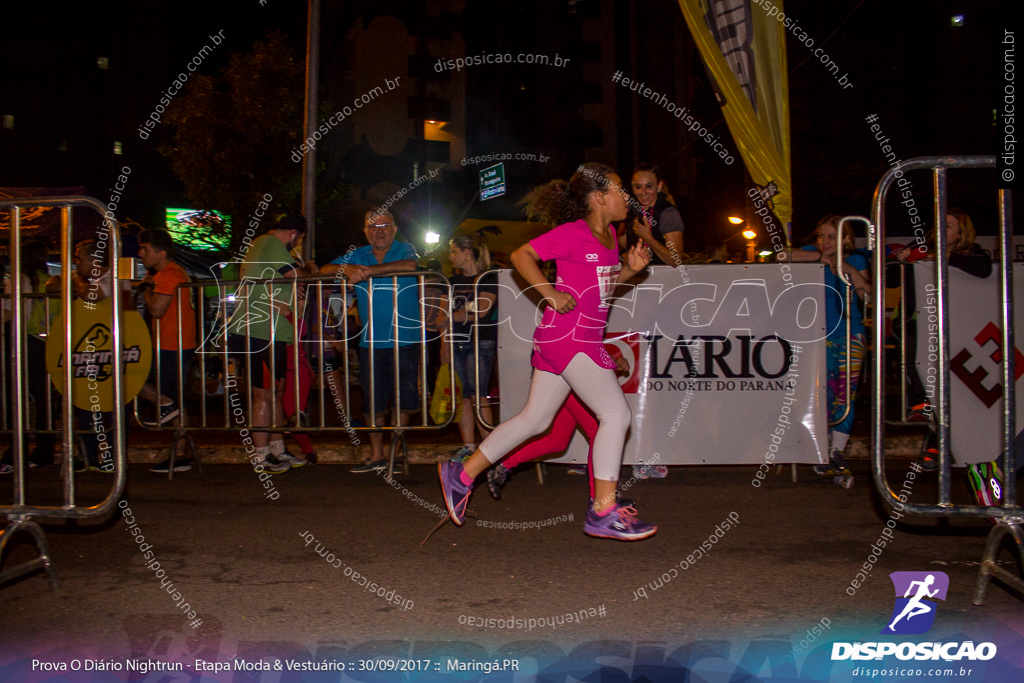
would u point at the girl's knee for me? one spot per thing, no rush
(618, 412)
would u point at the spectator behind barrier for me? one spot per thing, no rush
(963, 253)
(471, 257)
(171, 305)
(653, 218)
(383, 256)
(264, 315)
(857, 269)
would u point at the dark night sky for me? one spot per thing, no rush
(932, 85)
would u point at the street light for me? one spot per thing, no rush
(735, 220)
(750, 236)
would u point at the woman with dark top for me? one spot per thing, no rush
(964, 254)
(653, 219)
(472, 309)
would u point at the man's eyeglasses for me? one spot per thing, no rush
(379, 226)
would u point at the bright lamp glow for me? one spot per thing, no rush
(766, 252)
(432, 237)
(735, 220)
(750, 234)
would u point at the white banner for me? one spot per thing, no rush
(727, 363)
(975, 352)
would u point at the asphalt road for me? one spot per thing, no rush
(242, 563)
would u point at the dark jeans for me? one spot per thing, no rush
(384, 377)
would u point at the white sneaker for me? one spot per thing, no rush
(290, 460)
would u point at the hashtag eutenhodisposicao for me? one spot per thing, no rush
(528, 624)
(681, 113)
(150, 557)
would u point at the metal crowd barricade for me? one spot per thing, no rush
(21, 515)
(481, 388)
(905, 366)
(849, 295)
(226, 345)
(1008, 516)
(397, 322)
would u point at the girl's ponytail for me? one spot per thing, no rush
(560, 202)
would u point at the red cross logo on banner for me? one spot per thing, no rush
(975, 379)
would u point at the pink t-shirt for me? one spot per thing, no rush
(589, 271)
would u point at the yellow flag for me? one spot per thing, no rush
(745, 53)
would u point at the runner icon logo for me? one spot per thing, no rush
(916, 595)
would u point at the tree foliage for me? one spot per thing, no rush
(234, 133)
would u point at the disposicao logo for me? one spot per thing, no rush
(914, 613)
(916, 593)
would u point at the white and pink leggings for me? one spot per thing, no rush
(596, 387)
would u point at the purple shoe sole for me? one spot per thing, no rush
(620, 524)
(456, 494)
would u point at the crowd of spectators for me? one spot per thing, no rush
(388, 304)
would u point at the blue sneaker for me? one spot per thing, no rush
(462, 453)
(621, 524)
(456, 494)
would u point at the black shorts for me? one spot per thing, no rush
(257, 356)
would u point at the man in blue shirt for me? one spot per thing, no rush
(384, 256)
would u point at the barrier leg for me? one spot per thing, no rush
(990, 569)
(82, 454)
(398, 441)
(42, 562)
(405, 456)
(190, 450)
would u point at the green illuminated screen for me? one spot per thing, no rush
(201, 230)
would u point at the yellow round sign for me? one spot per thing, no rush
(92, 359)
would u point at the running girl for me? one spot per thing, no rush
(568, 346)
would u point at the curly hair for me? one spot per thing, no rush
(559, 202)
